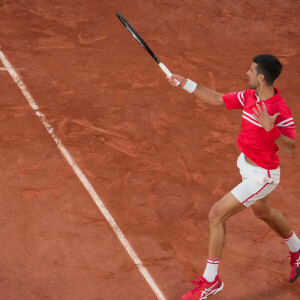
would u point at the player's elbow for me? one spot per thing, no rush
(290, 148)
(292, 145)
(290, 153)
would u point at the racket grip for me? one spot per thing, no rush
(167, 71)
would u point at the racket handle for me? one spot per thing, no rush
(167, 71)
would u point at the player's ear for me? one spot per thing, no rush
(261, 77)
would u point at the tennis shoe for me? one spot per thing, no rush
(203, 289)
(295, 264)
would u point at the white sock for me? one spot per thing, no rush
(293, 242)
(211, 270)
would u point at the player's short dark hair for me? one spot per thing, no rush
(269, 66)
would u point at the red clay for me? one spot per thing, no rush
(157, 157)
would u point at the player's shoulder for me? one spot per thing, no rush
(285, 118)
(281, 105)
(248, 92)
(249, 97)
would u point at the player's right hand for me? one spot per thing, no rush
(179, 79)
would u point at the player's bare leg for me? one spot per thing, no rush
(210, 283)
(263, 210)
(219, 213)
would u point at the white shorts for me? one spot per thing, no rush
(256, 183)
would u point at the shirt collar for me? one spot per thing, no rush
(272, 99)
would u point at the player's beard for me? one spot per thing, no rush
(252, 86)
(253, 83)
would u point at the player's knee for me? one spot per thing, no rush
(215, 215)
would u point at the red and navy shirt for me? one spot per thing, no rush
(253, 139)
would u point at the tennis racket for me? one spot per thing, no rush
(144, 45)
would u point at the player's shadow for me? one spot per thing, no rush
(278, 292)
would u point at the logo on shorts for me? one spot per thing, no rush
(298, 262)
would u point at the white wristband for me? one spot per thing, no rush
(190, 86)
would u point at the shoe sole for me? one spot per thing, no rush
(216, 291)
(297, 275)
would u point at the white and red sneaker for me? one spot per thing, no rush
(295, 264)
(203, 289)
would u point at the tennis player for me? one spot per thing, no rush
(267, 125)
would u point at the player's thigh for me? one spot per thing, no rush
(262, 208)
(227, 206)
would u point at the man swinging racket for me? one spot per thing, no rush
(267, 125)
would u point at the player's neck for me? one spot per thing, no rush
(265, 92)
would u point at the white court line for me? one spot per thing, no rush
(83, 179)
(3, 69)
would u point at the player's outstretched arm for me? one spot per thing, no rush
(204, 93)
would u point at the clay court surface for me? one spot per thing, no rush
(157, 157)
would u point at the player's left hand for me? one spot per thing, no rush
(262, 116)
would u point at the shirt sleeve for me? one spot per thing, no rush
(234, 100)
(285, 123)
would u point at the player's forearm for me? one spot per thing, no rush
(204, 93)
(285, 143)
(208, 95)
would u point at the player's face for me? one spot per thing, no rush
(253, 77)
